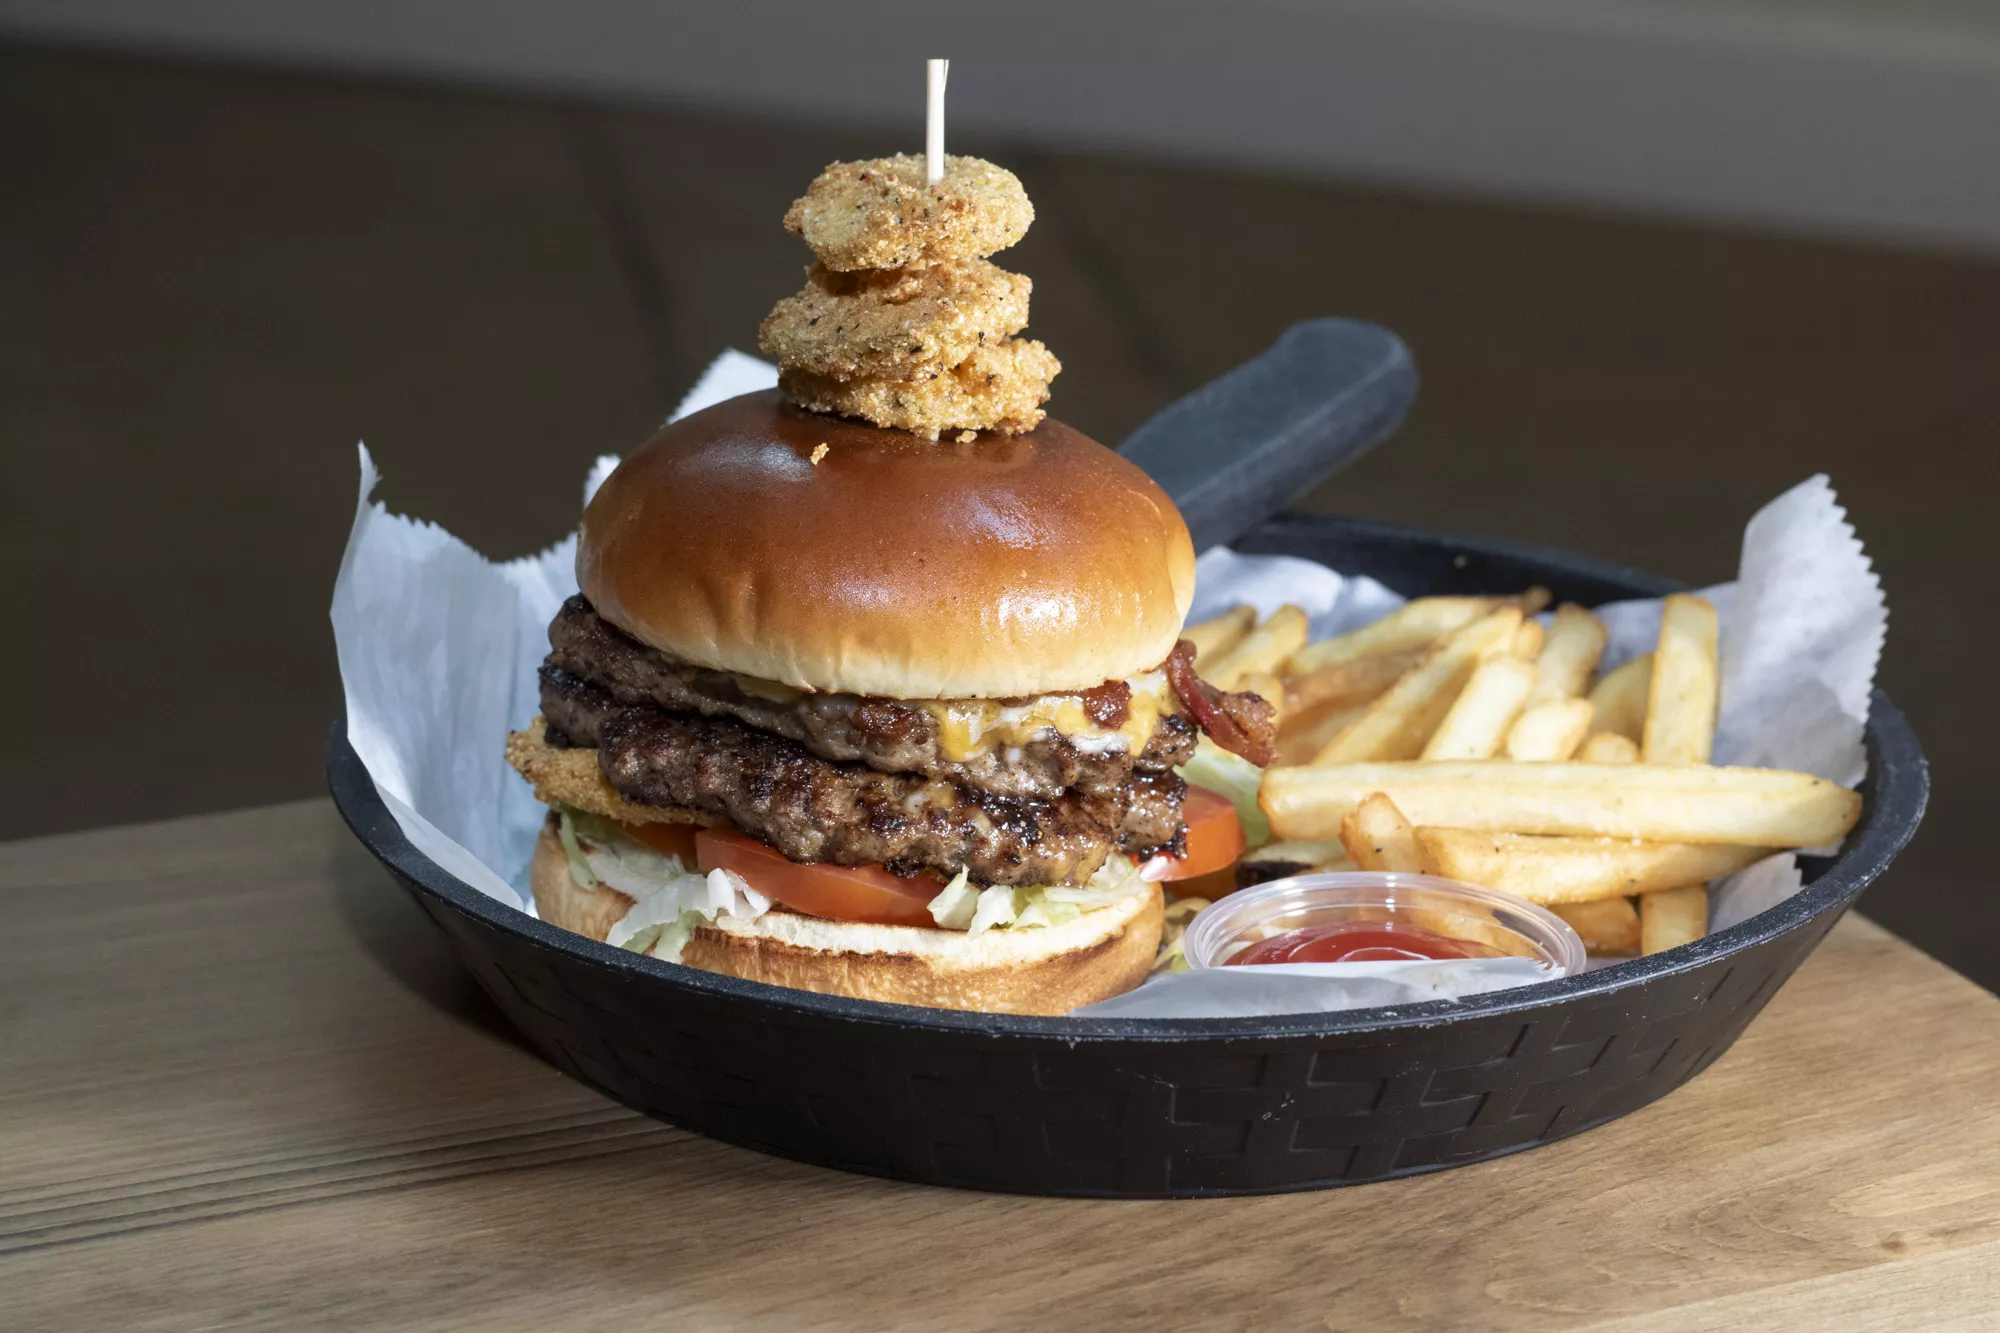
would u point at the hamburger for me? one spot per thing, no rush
(875, 711)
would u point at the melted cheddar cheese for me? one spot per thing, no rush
(968, 727)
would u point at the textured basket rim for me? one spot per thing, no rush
(1898, 787)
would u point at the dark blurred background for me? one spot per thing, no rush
(1657, 262)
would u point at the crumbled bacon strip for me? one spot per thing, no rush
(885, 720)
(1244, 724)
(1109, 705)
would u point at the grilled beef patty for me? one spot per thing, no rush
(881, 733)
(852, 780)
(812, 809)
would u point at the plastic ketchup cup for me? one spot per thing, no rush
(1372, 916)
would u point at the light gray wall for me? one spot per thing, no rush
(1821, 115)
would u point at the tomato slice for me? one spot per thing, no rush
(839, 893)
(666, 839)
(1214, 835)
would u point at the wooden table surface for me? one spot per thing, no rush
(243, 1084)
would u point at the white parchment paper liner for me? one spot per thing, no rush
(438, 648)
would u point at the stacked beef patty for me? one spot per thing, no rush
(857, 781)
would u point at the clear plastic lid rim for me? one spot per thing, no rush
(1560, 948)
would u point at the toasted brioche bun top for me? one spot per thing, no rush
(894, 566)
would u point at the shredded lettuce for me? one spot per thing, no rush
(633, 869)
(996, 908)
(1173, 937)
(1233, 776)
(953, 907)
(670, 900)
(999, 907)
(662, 922)
(579, 864)
(599, 852)
(592, 828)
(676, 933)
(1042, 911)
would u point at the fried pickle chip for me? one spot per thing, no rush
(572, 777)
(895, 323)
(1000, 388)
(882, 214)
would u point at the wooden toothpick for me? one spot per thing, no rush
(934, 76)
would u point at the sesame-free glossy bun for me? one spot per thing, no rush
(895, 566)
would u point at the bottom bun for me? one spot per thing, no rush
(561, 901)
(1042, 970)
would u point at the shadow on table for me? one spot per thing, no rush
(394, 932)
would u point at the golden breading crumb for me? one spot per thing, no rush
(571, 777)
(996, 388)
(890, 324)
(882, 213)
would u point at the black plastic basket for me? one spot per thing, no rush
(1164, 1107)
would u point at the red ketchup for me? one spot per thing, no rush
(1360, 942)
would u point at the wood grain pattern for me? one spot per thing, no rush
(242, 1085)
(162, 1096)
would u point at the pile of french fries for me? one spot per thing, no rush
(1457, 736)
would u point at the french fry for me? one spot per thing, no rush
(1527, 643)
(1377, 837)
(1484, 709)
(1661, 802)
(1267, 687)
(1397, 725)
(1348, 684)
(1262, 649)
(1606, 926)
(1607, 747)
(1620, 698)
(1459, 925)
(1569, 654)
(1563, 870)
(1680, 705)
(1212, 638)
(1672, 917)
(1416, 624)
(1550, 730)
(1301, 737)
